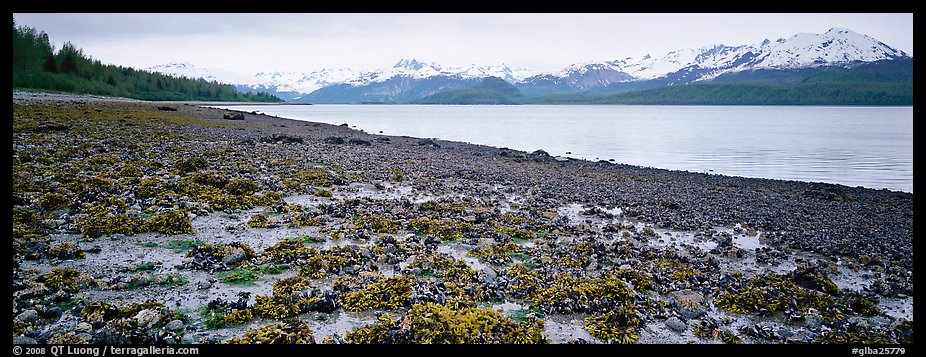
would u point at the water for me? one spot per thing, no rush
(853, 146)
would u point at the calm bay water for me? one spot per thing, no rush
(853, 146)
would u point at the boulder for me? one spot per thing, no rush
(147, 318)
(175, 325)
(234, 256)
(690, 303)
(28, 316)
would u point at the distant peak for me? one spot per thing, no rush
(839, 30)
(179, 64)
(409, 63)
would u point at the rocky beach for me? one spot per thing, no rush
(164, 223)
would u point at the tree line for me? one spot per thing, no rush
(37, 65)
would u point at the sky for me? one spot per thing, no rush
(251, 43)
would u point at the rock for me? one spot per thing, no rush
(879, 321)
(864, 260)
(690, 303)
(28, 316)
(724, 240)
(366, 252)
(61, 295)
(358, 142)
(428, 142)
(83, 327)
(52, 312)
(23, 340)
(204, 285)
(106, 336)
(490, 275)
(175, 325)
(813, 319)
(285, 139)
(784, 333)
(799, 337)
(235, 116)
(234, 256)
(469, 219)
(147, 318)
(334, 140)
(140, 280)
(676, 324)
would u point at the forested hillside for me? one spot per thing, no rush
(38, 66)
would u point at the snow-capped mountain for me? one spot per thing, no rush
(412, 68)
(836, 47)
(408, 78)
(187, 69)
(298, 82)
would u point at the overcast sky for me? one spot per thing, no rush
(249, 43)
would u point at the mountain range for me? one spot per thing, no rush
(782, 60)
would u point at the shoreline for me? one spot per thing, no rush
(684, 231)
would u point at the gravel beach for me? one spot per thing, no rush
(155, 222)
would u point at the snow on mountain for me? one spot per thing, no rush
(311, 81)
(186, 69)
(837, 46)
(412, 68)
(302, 82)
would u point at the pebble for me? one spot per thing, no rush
(676, 324)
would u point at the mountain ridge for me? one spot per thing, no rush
(409, 79)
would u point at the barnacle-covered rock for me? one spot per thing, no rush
(238, 317)
(66, 277)
(171, 222)
(445, 229)
(852, 333)
(295, 295)
(286, 332)
(390, 293)
(52, 201)
(212, 257)
(640, 280)
(95, 221)
(288, 250)
(68, 338)
(618, 326)
(65, 250)
(768, 293)
(99, 310)
(260, 220)
(574, 295)
(498, 254)
(433, 323)
(378, 224)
